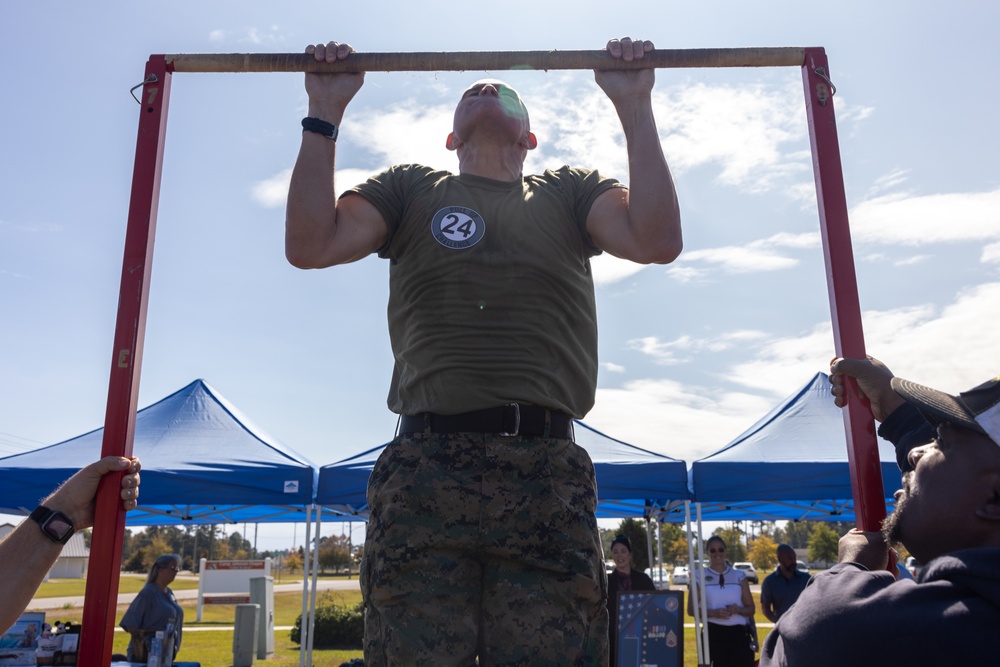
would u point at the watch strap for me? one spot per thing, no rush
(319, 126)
(49, 520)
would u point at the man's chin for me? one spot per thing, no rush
(892, 526)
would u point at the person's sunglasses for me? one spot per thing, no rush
(716, 551)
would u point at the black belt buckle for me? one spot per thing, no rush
(516, 418)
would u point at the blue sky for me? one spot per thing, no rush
(692, 353)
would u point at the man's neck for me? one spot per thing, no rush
(500, 163)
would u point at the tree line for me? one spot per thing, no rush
(754, 542)
(140, 548)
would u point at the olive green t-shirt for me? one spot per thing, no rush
(491, 297)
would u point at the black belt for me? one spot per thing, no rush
(509, 420)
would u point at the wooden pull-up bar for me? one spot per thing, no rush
(460, 61)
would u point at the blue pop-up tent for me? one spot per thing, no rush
(203, 461)
(630, 481)
(791, 464)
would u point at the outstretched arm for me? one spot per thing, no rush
(319, 230)
(641, 223)
(27, 554)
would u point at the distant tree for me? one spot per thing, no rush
(222, 551)
(796, 534)
(293, 562)
(158, 546)
(823, 543)
(735, 549)
(676, 551)
(763, 554)
(239, 548)
(669, 534)
(334, 552)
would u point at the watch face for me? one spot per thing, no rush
(58, 527)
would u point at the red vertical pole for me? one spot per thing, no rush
(101, 599)
(845, 309)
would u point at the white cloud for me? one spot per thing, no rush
(217, 35)
(991, 254)
(612, 368)
(272, 192)
(952, 349)
(684, 422)
(890, 181)
(743, 130)
(686, 274)
(761, 148)
(921, 220)
(30, 227)
(405, 133)
(666, 353)
(910, 261)
(609, 269)
(757, 256)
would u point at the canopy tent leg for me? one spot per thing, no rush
(312, 595)
(659, 553)
(304, 623)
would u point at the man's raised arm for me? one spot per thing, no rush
(319, 230)
(642, 223)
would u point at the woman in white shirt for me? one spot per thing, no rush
(730, 606)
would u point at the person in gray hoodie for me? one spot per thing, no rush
(947, 515)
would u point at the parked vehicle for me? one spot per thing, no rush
(749, 570)
(801, 566)
(660, 577)
(680, 576)
(913, 566)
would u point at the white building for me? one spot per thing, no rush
(72, 563)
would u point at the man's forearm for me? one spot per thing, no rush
(310, 214)
(27, 555)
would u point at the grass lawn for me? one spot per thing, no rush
(215, 648)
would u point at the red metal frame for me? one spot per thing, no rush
(97, 631)
(119, 426)
(845, 309)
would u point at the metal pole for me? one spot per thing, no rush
(312, 590)
(845, 308)
(461, 61)
(101, 599)
(704, 596)
(304, 624)
(692, 589)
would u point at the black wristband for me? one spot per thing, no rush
(328, 130)
(56, 525)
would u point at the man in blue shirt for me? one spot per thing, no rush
(782, 587)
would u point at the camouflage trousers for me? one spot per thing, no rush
(483, 546)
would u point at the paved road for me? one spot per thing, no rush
(40, 604)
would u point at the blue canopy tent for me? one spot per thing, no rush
(631, 482)
(792, 464)
(203, 462)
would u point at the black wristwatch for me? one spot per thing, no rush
(56, 525)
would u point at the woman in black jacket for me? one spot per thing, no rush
(623, 579)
